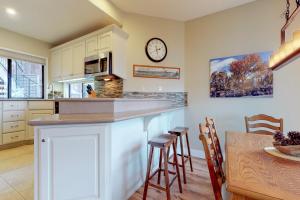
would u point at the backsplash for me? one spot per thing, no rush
(109, 89)
(178, 98)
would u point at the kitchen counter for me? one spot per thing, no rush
(99, 141)
(27, 99)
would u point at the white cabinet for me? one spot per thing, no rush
(71, 164)
(66, 61)
(13, 137)
(78, 51)
(34, 114)
(105, 42)
(91, 46)
(55, 64)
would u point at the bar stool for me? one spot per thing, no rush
(163, 142)
(180, 132)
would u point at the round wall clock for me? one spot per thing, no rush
(156, 49)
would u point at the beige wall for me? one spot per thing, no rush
(15, 41)
(249, 28)
(141, 29)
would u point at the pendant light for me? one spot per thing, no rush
(289, 50)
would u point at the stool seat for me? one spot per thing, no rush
(179, 131)
(162, 140)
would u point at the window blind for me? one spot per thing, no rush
(21, 56)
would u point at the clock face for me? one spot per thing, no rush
(156, 49)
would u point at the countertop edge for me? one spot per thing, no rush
(105, 119)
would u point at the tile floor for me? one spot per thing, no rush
(16, 173)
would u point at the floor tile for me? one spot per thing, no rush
(7, 192)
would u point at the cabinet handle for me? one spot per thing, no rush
(43, 140)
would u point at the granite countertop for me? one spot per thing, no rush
(61, 119)
(27, 99)
(109, 99)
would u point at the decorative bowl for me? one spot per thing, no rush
(292, 150)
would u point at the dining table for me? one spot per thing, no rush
(252, 173)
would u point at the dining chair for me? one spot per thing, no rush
(212, 162)
(212, 132)
(263, 124)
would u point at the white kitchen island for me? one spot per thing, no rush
(94, 155)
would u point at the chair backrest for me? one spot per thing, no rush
(210, 123)
(263, 124)
(212, 162)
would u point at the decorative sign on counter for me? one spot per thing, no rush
(146, 71)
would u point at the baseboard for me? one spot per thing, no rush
(197, 153)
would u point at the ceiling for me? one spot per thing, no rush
(181, 10)
(52, 21)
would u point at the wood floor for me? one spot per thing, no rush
(198, 186)
(16, 179)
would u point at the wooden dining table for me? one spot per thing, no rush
(251, 173)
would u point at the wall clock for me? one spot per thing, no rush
(156, 49)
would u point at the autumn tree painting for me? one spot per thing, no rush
(239, 76)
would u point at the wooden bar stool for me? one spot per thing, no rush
(163, 142)
(180, 132)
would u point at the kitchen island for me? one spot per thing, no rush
(96, 149)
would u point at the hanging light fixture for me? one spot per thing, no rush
(289, 50)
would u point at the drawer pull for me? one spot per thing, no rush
(43, 140)
(15, 126)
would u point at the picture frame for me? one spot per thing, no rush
(160, 72)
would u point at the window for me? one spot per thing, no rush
(75, 90)
(21, 79)
(3, 77)
(26, 80)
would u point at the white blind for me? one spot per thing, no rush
(21, 56)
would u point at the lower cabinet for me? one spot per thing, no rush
(34, 114)
(13, 137)
(71, 164)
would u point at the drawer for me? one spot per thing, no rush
(9, 116)
(14, 105)
(40, 105)
(13, 137)
(13, 126)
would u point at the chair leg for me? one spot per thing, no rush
(159, 167)
(148, 173)
(189, 151)
(177, 168)
(182, 160)
(166, 175)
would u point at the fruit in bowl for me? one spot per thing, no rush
(289, 145)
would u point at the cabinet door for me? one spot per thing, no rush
(78, 58)
(105, 42)
(71, 163)
(55, 64)
(91, 46)
(66, 61)
(34, 114)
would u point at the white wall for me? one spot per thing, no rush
(246, 29)
(140, 29)
(18, 42)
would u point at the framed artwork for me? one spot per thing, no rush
(146, 71)
(241, 76)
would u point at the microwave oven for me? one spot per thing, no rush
(98, 65)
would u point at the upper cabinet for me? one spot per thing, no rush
(67, 60)
(105, 42)
(91, 46)
(78, 55)
(55, 63)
